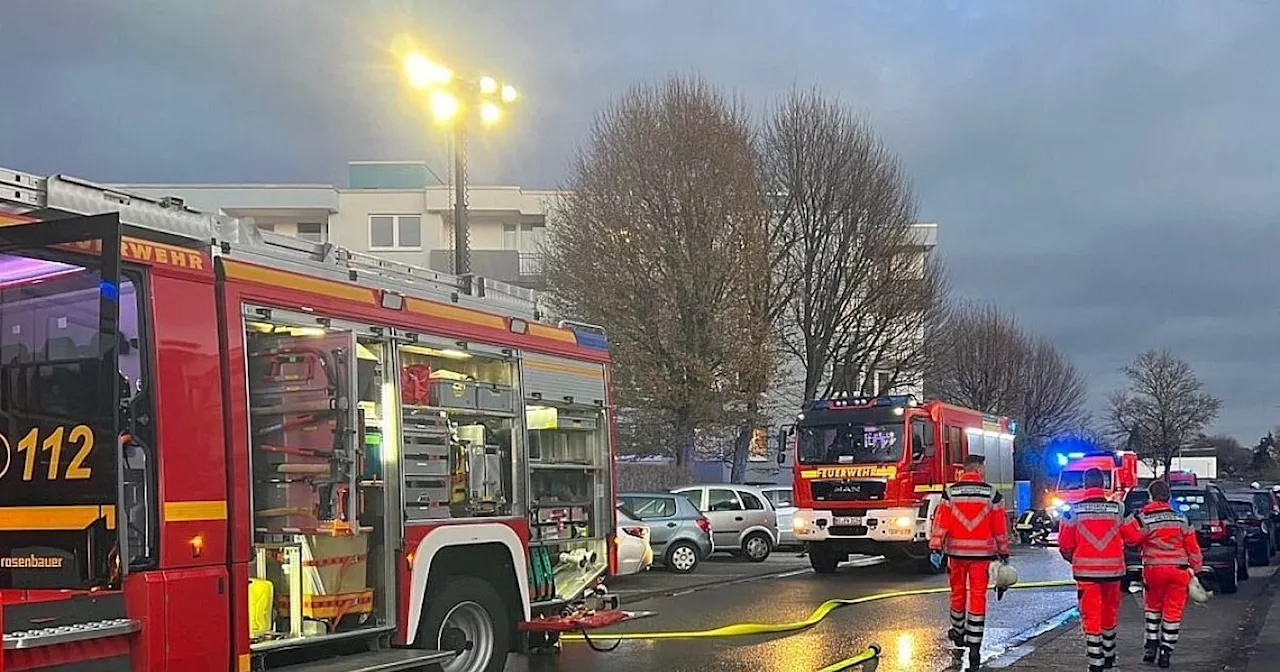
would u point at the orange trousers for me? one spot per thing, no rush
(1099, 615)
(1165, 593)
(968, 579)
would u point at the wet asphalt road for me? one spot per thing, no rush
(911, 630)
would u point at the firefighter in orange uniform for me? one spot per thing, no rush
(970, 529)
(1090, 539)
(1170, 556)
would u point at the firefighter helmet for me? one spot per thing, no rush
(1196, 591)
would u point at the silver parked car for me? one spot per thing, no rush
(780, 497)
(743, 521)
(678, 533)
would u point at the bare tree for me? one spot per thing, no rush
(981, 352)
(1164, 409)
(986, 361)
(845, 244)
(662, 240)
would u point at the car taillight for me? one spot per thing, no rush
(1218, 532)
(637, 532)
(704, 525)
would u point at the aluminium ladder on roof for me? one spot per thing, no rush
(240, 238)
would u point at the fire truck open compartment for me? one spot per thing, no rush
(319, 558)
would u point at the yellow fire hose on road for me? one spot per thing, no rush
(823, 610)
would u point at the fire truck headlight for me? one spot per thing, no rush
(799, 522)
(1056, 502)
(904, 522)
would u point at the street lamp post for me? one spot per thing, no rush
(456, 101)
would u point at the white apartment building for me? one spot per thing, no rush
(398, 210)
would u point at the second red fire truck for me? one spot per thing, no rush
(870, 471)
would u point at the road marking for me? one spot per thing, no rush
(1018, 647)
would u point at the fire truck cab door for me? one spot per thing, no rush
(60, 407)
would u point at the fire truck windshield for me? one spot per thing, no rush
(1074, 480)
(850, 443)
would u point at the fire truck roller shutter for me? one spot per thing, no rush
(552, 379)
(997, 447)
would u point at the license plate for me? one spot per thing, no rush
(847, 520)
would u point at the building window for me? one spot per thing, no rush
(312, 231)
(523, 237)
(395, 232)
(884, 382)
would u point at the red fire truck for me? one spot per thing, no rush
(870, 471)
(222, 449)
(1119, 473)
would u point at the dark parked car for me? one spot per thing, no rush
(1268, 506)
(1221, 537)
(1257, 528)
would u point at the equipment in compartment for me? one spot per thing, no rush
(312, 579)
(415, 385)
(453, 394)
(299, 411)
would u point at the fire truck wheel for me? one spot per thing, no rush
(823, 560)
(757, 547)
(682, 557)
(467, 615)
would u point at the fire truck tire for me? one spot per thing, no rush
(468, 615)
(757, 547)
(822, 559)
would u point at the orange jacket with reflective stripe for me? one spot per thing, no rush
(1165, 536)
(1089, 537)
(970, 521)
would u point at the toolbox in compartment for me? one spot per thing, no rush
(427, 441)
(453, 394)
(493, 397)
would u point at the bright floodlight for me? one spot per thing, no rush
(444, 107)
(490, 113)
(423, 73)
(508, 93)
(488, 85)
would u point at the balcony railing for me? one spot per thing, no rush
(530, 263)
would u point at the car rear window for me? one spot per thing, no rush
(1242, 508)
(1192, 504)
(644, 508)
(1135, 500)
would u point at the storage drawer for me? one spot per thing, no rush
(423, 467)
(418, 444)
(491, 397)
(425, 492)
(414, 512)
(453, 394)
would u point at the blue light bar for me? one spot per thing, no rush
(1075, 456)
(590, 338)
(1062, 460)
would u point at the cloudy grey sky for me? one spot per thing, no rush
(1107, 170)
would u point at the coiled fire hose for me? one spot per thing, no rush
(823, 610)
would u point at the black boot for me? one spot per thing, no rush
(975, 657)
(1109, 663)
(1149, 653)
(1163, 659)
(956, 636)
